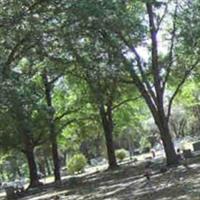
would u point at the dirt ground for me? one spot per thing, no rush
(126, 183)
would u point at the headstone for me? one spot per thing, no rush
(187, 153)
(146, 150)
(73, 181)
(196, 146)
(10, 193)
(94, 162)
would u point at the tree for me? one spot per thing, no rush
(16, 42)
(102, 87)
(60, 112)
(22, 16)
(188, 103)
(152, 74)
(48, 85)
(24, 120)
(130, 119)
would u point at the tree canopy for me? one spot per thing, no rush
(85, 76)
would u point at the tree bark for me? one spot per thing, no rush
(34, 179)
(154, 97)
(107, 123)
(53, 135)
(56, 160)
(158, 112)
(163, 126)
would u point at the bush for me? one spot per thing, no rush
(121, 154)
(76, 164)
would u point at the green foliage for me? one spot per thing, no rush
(145, 143)
(188, 97)
(83, 51)
(76, 164)
(121, 154)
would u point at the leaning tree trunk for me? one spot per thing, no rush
(107, 123)
(34, 179)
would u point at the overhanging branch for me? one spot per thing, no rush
(125, 101)
(75, 120)
(186, 75)
(66, 113)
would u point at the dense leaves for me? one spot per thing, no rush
(82, 75)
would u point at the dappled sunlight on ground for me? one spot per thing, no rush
(127, 183)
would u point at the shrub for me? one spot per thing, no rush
(121, 154)
(76, 164)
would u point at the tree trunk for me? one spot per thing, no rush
(56, 160)
(53, 135)
(108, 126)
(166, 138)
(161, 121)
(34, 179)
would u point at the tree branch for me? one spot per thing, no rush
(75, 120)
(126, 81)
(168, 68)
(12, 55)
(55, 79)
(15, 19)
(186, 75)
(162, 18)
(154, 54)
(136, 79)
(125, 101)
(143, 91)
(66, 113)
(140, 66)
(39, 140)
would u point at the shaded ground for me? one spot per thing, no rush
(127, 183)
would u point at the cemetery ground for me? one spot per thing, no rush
(126, 183)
